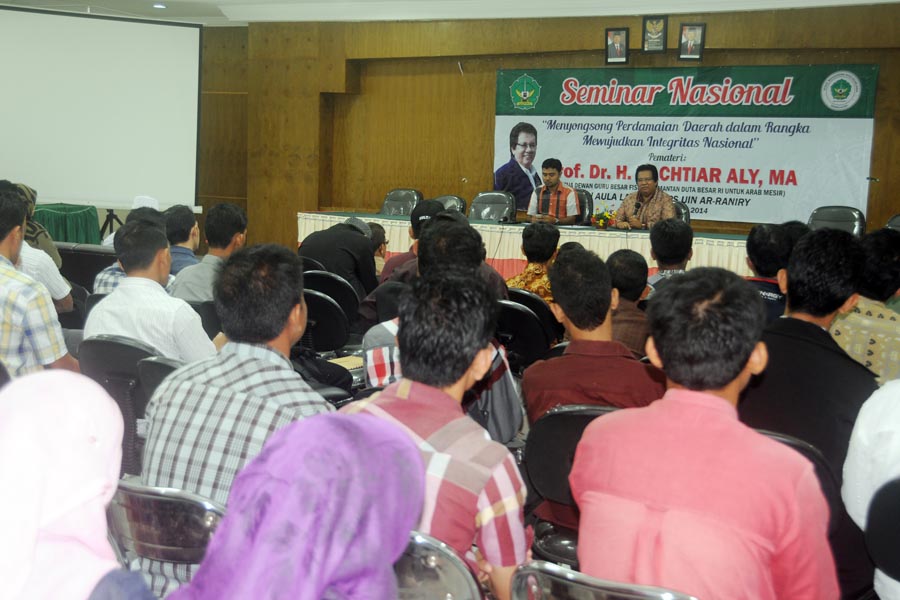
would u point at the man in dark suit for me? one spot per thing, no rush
(519, 176)
(811, 388)
(691, 45)
(345, 249)
(616, 49)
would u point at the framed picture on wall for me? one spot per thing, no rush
(654, 34)
(616, 45)
(692, 40)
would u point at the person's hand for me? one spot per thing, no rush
(635, 223)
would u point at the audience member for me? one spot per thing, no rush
(226, 233)
(322, 512)
(566, 246)
(209, 418)
(680, 494)
(794, 231)
(553, 202)
(812, 389)
(38, 265)
(379, 245)
(36, 235)
(183, 233)
(539, 241)
(870, 333)
(139, 307)
(671, 244)
(873, 459)
(30, 335)
(422, 213)
(61, 439)
(628, 271)
(648, 205)
(593, 369)
(110, 277)
(346, 250)
(768, 251)
(474, 494)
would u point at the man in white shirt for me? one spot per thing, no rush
(39, 266)
(140, 308)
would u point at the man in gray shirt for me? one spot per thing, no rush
(226, 232)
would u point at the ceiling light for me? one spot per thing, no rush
(158, 5)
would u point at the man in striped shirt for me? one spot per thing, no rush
(474, 494)
(209, 418)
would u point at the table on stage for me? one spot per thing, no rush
(504, 242)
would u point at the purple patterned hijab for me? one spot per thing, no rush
(323, 512)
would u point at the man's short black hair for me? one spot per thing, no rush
(628, 272)
(768, 249)
(794, 230)
(223, 222)
(881, 275)
(12, 208)
(445, 320)
(705, 324)
(447, 243)
(647, 167)
(671, 241)
(137, 243)
(256, 291)
(568, 246)
(825, 269)
(581, 287)
(539, 242)
(148, 214)
(379, 236)
(180, 221)
(518, 128)
(552, 163)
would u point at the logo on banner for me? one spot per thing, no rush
(841, 90)
(525, 92)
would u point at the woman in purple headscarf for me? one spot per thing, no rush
(323, 512)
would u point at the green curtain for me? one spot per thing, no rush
(69, 222)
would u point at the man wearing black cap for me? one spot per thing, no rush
(345, 249)
(421, 214)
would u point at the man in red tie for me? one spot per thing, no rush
(690, 45)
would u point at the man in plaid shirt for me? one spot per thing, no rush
(474, 494)
(209, 418)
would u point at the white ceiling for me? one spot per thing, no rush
(241, 12)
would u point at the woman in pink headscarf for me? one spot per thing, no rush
(322, 512)
(60, 451)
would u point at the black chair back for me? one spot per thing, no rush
(400, 201)
(499, 207)
(208, 316)
(522, 334)
(554, 328)
(327, 327)
(429, 568)
(335, 287)
(585, 206)
(152, 371)
(682, 211)
(91, 302)
(894, 223)
(311, 264)
(550, 449)
(74, 319)
(827, 479)
(452, 202)
(557, 350)
(82, 262)
(883, 528)
(112, 361)
(845, 218)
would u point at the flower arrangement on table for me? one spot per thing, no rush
(603, 217)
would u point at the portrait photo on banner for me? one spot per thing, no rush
(655, 32)
(616, 45)
(692, 40)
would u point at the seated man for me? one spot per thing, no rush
(594, 369)
(379, 243)
(680, 494)
(208, 419)
(648, 205)
(768, 251)
(812, 389)
(38, 265)
(36, 235)
(628, 271)
(539, 241)
(474, 494)
(183, 233)
(870, 333)
(346, 250)
(553, 202)
(140, 308)
(423, 212)
(226, 233)
(671, 244)
(107, 279)
(30, 336)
